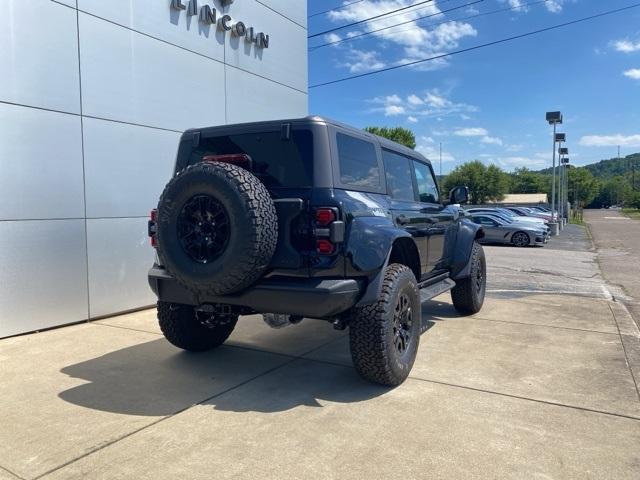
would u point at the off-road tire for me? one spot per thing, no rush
(468, 294)
(183, 327)
(371, 330)
(251, 228)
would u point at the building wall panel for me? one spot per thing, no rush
(39, 55)
(127, 167)
(40, 164)
(43, 273)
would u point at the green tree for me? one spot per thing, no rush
(612, 192)
(583, 186)
(524, 180)
(485, 183)
(401, 135)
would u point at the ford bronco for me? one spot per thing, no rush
(309, 218)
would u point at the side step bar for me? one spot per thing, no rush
(435, 289)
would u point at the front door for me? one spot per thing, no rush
(439, 219)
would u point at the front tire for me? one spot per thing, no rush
(468, 294)
(385, 335)
(193, 331)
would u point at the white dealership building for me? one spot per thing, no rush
(94, 95)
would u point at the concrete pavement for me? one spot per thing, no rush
(537, 385)
(617, 240)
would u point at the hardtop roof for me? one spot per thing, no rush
(316, 119)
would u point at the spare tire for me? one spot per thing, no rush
(217, 228)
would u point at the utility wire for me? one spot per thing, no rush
(442, 12)
(341, 7)
(477, 47)
(368, 19)
(470, 17)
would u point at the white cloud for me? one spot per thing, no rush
(633, 73)
(362, 61)
(412, 119)
(332, 37)
(554, 6)
(433, 153)
(491, 140)
(415, 100)
(471, 132)
(430, 104)
(393, 110)
(416, 41)
(610, 140)
(465, 117)
(626, 46)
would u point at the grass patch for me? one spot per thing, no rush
(576, 221)
(631, 213)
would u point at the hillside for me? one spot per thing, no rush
(608, 168)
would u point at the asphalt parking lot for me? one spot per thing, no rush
(537, 385)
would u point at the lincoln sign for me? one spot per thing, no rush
(208, 15)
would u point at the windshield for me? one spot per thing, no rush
(277, 162)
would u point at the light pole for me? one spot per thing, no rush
(563, 154)
(554, 118)
(566, 186)
(560, 139)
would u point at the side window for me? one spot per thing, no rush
(398, 172)
(358, 162)
(427, 188)
(488, 222)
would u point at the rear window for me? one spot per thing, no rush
(276, 162)
(358, 162)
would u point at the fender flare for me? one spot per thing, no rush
(468, 233)
(375, 284)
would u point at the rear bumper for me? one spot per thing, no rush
(308, 297)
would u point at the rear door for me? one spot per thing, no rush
(438, 219)
(405, 209)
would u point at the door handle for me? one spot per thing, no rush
(402, 219)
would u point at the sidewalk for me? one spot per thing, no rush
(536, 385)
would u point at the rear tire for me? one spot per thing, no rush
(189, 330)
(385, 335)
(468, 294)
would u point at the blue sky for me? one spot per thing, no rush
(488, 104)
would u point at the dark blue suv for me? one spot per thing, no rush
(310, 218)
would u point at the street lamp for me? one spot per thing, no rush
(565, 162)
(554, 118)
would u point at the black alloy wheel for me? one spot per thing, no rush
(402, 324)
(203, 228)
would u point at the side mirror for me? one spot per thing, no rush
(459, 195)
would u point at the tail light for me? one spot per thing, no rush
(153, 227)
(328, 230)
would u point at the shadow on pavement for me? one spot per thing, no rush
(155, 379)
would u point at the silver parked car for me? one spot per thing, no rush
(497, 230)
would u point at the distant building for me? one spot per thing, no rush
(524, 199)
